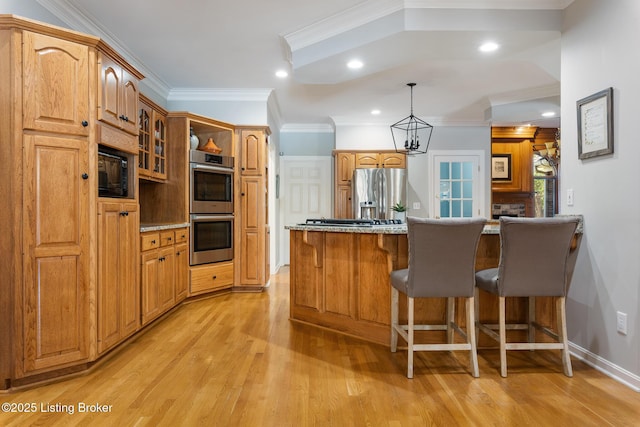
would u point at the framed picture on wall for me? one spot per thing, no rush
(501, 167)
(595, 124)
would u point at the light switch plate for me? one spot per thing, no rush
(570, 197)
(416, 205)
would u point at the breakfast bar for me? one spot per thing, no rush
(339, 279)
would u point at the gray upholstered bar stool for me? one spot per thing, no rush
(442, 256)
(537, 258)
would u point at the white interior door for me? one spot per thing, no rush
(305, 192)
(456, 185)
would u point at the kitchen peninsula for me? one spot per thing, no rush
(340, 279)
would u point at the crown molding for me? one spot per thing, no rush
(207, 94)
(307, 128)
(528, 94)
(488, 4)
(81, 20)
(339, 23)
(369, 11)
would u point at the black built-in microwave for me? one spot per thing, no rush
(113, 173)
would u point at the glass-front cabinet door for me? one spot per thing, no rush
(152, 141)
(144, 141)
(160, 148)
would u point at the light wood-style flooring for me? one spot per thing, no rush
(237, 360)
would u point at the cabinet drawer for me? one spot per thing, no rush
(211, 277)
(149, 241)
(182, 235)
(117, 139)
(167, 238)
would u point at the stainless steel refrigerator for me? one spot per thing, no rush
(375, 191)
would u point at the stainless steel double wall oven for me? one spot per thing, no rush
(210, 207)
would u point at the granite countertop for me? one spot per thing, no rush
(158, 227)
(492, 227)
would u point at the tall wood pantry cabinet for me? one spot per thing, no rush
(45, 114)
(252, 193)
(49, 79)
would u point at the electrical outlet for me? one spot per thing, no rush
(416, 205)
(621, 322)
(570, 197)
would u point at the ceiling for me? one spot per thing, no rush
(232, 49)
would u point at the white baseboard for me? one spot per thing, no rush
(619, 374)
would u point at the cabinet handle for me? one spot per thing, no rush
(169, 238)
(84, 123)
(126, 119)
(215, 277)
(242, 194)
(153, 242)
(177, 253)
(85, 176)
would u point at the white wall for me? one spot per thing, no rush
(598, 51)
(236, 112)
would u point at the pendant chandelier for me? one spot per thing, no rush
(411, 135)
(548, 155)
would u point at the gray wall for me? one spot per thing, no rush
(306, 143)
(596, 54)
(29, 9)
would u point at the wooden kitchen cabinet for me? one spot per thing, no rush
(152, 141)
(164, 271)
(384, 159)
(47, 182)
(343, 202)
(211, 277)
(118, 94)
(56, 290)
(118, 285)
(50, 133)
(251, 270)
(252, 155)
(345, 164)
(65, 110)
(158, 274)
(182, 271)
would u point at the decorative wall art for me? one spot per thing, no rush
(501, 167)
(595, 124)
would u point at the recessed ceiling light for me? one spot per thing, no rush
(375, 112)
(489, 47)
(354, 64)
(281, 74)
(548, 114)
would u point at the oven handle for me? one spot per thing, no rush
(195, 217)
(211, 168)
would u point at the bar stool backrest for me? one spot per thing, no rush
(442, 255)
(534, 256)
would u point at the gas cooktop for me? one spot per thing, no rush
(352, 222)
